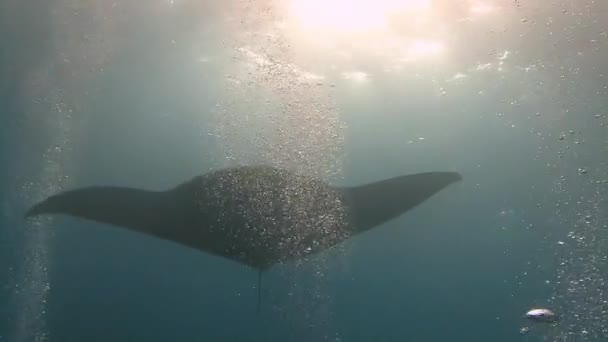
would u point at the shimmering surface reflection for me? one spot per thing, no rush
(392, 32)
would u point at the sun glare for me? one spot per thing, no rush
(425, 48)
(346, 16)
(481, 8)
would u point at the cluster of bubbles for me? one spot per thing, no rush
(271, 215)
(31, 285)
(273, 111)
(580, 290)
(580, 281)
(51, 103)
(276, 113)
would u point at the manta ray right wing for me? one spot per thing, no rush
(375, 203)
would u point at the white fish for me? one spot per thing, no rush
(541, 315)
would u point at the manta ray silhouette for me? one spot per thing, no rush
(255, 215)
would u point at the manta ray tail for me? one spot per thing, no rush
(259, 291)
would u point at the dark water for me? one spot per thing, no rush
(150, 94)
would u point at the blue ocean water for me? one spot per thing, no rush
(511, 95)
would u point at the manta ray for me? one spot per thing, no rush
(255, 215)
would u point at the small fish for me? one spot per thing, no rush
(541, 315)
